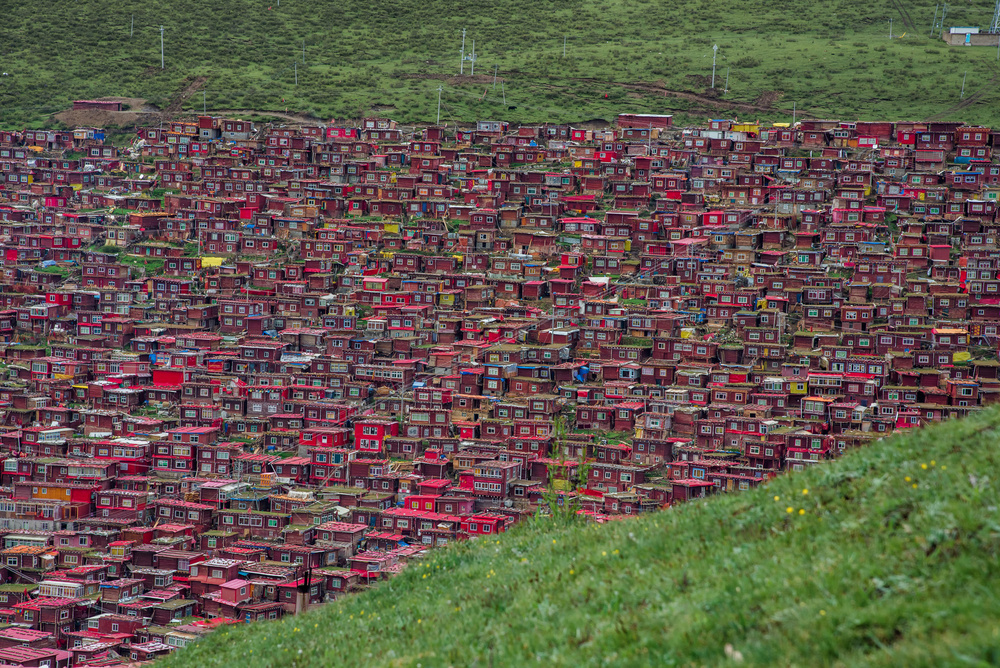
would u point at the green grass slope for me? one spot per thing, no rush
(373, 56)
(887, 556)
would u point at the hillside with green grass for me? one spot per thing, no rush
(887, 556)
(555, 60)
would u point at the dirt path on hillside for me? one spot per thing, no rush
(139, 112)
(905, 15)
(973, 97)
(969, 100)
(142, 113)
(765, 103)
(288, 116)
(708, 100)
(184, 95)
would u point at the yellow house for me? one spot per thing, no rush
(50, 493)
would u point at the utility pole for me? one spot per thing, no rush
(793, 114)
(495, 67)
(890, 28)
(715, 51)
(132, 32)
(162, 66)
(461, 60)
(439, 105)
(962, 96)
(934, 22)
(296, 64)
(473, 70)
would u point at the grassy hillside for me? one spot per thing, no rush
(885, 557)
(829, 59)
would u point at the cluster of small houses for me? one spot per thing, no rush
(249, 369)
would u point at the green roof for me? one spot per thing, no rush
(17, 587)
(175, 603)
